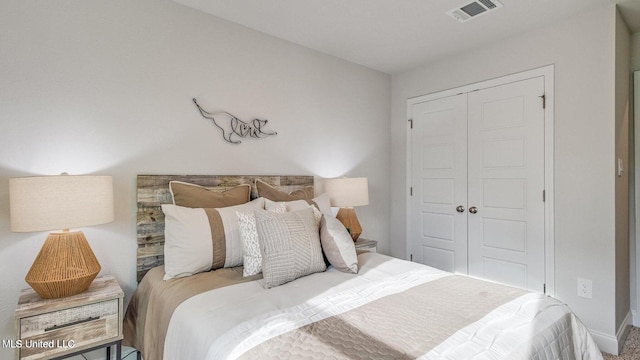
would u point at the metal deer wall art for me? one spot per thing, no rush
(232, 126)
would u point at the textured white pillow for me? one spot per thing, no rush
(252, 260)
(289, 245)
(338, 245)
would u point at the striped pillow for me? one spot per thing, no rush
(202, 239)
(289, 245)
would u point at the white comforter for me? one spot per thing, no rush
(223, 323)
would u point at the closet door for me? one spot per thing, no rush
(506, 183)
(438, 232)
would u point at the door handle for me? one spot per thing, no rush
(473, 209)
(460, 209)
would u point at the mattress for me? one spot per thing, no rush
(391, 309)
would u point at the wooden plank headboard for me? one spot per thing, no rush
(153, 191)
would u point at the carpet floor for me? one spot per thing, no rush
(631, 349)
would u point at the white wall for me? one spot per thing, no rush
(633, 179)
(582, 49)
(105, 87)
(622, 126)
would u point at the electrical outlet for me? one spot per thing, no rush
(585, 288)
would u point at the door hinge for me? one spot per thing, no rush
(544, 100)
(410, 123)
(544, 288)
(411, 191)
(544, 196)
(411, 257)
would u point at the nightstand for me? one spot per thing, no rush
(60, 328)
(366, 245)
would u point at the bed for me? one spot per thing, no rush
(389, 309)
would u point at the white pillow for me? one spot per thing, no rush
(338, 245)
(322, 200)
(324, 204)
(293, 206)
(188, 248)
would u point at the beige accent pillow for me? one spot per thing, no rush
(289, 245)
(196, 196)
(337, 245)
(202, 239)
(269, 192)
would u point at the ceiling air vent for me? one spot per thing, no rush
(473, 9)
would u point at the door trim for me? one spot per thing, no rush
(635, 240)
(547, 72)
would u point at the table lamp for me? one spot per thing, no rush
(347, 193)
(66, 264)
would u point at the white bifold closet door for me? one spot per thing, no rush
(477, 168)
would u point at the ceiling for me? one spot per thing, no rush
(396, 35)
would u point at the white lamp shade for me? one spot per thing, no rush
(347, 192)
(43, 203)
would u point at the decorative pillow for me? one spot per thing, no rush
(269, 192)
(289, 245)
(321, 202)
(196, 196)
(252, 260)
(198, 239)
(293, 206)
(338, 245)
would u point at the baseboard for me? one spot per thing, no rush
(623, 331)
(613, 344)
(636, 319)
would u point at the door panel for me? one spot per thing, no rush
(506, 181)
(438, 257)
(439, 169)
(485, 150)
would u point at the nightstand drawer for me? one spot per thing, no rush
(59, 331)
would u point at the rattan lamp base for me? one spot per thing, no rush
(348, 218)
(64, 266)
